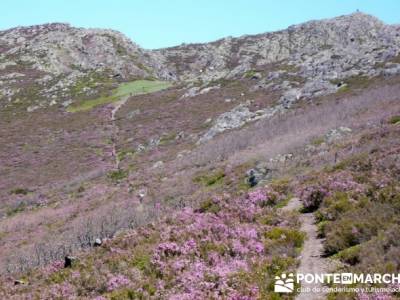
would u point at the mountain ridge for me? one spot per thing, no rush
(177, 173)
(49, 55)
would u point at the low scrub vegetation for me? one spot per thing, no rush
(223, 249)
(118, 175)
(19, 191)
(394, 120)
(210, 179)
(356, 205)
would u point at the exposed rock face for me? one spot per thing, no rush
(48, 64)
(59, 49)
(311, 58)
(235, 118)
(302, 62)
(52, 59)
(322, 48)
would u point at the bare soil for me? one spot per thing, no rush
(311, 259)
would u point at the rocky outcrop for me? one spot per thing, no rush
(57, 61)
(321, 48)
(52, 63)
(235, 118)
(305, 61)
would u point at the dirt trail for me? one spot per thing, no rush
(117, 106)
(311, 260)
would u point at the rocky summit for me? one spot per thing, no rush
(200, 171)
(52, 61)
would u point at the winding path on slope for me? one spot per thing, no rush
(117, 105)
(311, 260)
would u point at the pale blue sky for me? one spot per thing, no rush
(162, 23)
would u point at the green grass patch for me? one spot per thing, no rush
(394, 120)
(122, 154)
(19, 191)
(317, 141)
(125, 294)
(250, 73)
(137, 87)
(351, 83)
(117, 176)
(210, 179)
(286, 236)
(17, 209)
(209, 206)
(165, 139)
(350, 255)
(142, 261)
(284, 202)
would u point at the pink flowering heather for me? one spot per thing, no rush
(343, 182)
(207, 254)
(258, 196)
(62, 291)
(53, 267)
(116, 282)
(312, 196)
(75, 274)
(262, 196)
(201, 251)
(374, 296)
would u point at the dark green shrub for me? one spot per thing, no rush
(142, 261)
(209, 206)
(350, 255)
(210, 179)
(286, 236)
(20, 191)
(394, 120)
(125, 294)
(357, 226)
(334, 206)
(321, 227)
(118, 175)
(20, 207)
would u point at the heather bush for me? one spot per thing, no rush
(380, 253)
(281, 185)
(321, 227)
(350, 255)
(334, 206)
(315, 193)
(142, 261)
(264, 196)
(194, 254)
(312, 197)
(359, 162)
(117, 281)
(356, 226)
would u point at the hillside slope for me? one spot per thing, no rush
(175, 163)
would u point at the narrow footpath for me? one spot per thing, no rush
(117, 106)
(311, 259)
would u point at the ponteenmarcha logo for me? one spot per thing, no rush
(284, 283)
